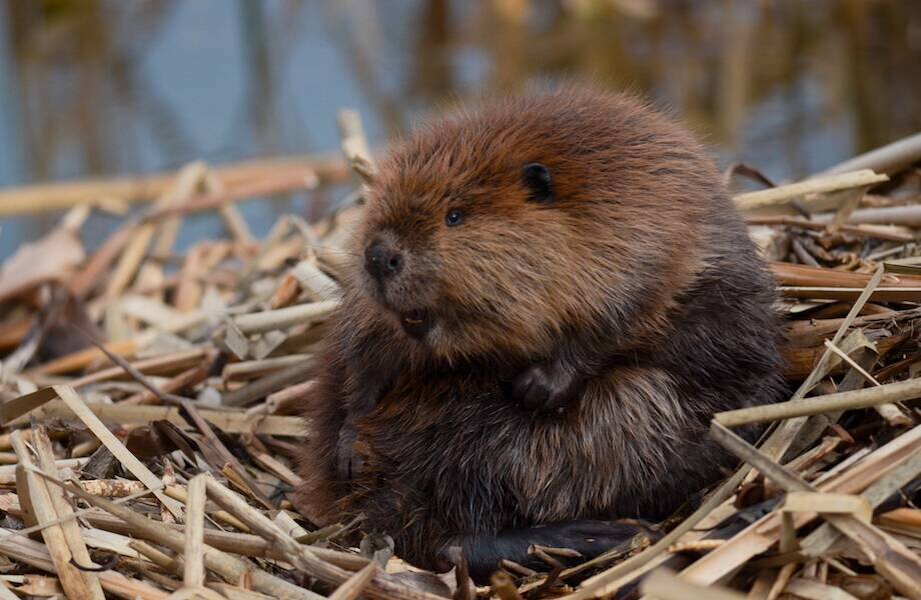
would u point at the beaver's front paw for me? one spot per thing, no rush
(546, 387)
(349, 462)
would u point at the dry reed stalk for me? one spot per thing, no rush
(380, 586)
(231, 568)
(890, 557)
(193, 573)
(820, 185)
(886, 159)
(63, 510)
(47, 197)
(40, 506)
(187, 378)
(37, 555)
(665, 585)
(865, 398)
(230, 422)
(114, 445)
(284, 317)
(264, 302)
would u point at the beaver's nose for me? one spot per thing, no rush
(383, 260)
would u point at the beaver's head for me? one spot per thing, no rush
(493, 232)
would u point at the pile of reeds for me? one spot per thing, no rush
(148, 399)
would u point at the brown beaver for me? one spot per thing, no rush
(550, 296)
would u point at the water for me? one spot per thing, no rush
(95, 87)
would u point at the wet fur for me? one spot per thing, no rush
(637, 276)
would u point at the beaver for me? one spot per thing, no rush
(548, 298)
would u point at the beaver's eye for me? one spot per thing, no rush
(454, 217)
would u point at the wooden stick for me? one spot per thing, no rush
(188, 378)
(40, 506)
(62, 510)
(193, 573)
(892, 234)
(227, 420)
(885, 159)
(178, 492)
(260, 388)
(356, 584)
(252, 369)
(785, 194)
(80, 359)
(283, 318)
(278, 184)
(905, 216)
(161, 559)
(55, 196)
(863, 398)
(355, 145)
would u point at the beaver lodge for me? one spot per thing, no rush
(148, 426)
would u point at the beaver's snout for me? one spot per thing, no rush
(383, 259)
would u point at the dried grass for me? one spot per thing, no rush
(179, 387)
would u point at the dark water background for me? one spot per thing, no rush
(96, 87)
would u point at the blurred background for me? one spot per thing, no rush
(96, 87)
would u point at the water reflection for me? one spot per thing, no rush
(95, 86)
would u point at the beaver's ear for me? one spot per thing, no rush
(536, 178)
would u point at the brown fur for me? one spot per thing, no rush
(634, 287)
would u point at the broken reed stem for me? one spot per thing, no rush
(381, 586)
(36, 555)
(818, 542)
(282, 318)
(664, 584)
(886, 159)
(193, 574)
(890, 412)
(356, 584)
(607, 582)
(37, 502)
(231, 568)
(355, 145)
(226, 420)
(178, 492)
(890, 557)
(271, 171)
(863, 398)
(161, 559)
(62, 508)
(279, 380)
(235, 543)
(819, 185)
